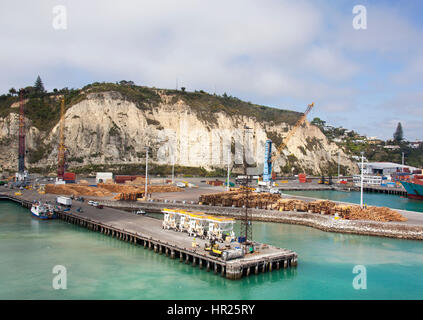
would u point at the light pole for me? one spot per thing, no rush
(338, 167)
(173, 168)
(146, 172)
(229, 157)
(402, 169)
(362, 179)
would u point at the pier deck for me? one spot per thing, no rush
(147, 232)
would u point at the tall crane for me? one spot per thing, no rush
(268, 158)
(62, 149)
(21, 175)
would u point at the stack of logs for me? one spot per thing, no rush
(236, 198)
(132, 193)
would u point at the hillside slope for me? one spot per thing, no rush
(112, 124)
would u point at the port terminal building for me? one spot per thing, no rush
(386, 168)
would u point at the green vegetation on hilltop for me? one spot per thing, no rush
(205, 105)
(43, 108)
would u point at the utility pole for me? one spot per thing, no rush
(173, 168)
(21, 154)
(146, 172)
(229, 158)
(362, 179)
(246, 225)
(338, 166)
(61, 152)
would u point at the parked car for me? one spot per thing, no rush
(91, 203)
(99, 206)
(180, 184)
(274, 191)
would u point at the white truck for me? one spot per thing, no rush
(65, 201)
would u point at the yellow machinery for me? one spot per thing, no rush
(41, 189)
(198, 224)
(171, 219)
(18, 193)
(220, 228)
(213, 249)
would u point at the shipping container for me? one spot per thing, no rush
(64, 201)
(69, 176)
(302, 178)
(102, 177)
(122, 179)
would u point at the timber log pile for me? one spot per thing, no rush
(76, 190)
(381, 214)
(236, 198)
(132, 193)
(124, 192)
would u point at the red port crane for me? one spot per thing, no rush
(61, 153)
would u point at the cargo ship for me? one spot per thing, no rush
(414, 187)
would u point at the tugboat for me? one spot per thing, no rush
(43, 211)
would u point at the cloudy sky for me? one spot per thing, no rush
(279, 53)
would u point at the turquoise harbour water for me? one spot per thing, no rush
(99, 267)
(371, 199)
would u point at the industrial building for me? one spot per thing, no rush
(386, 168)
(103, 177)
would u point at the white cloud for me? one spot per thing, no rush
(277, 51)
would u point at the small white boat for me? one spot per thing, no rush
(140, 212)
(42, 211)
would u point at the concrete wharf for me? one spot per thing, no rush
(147, 232)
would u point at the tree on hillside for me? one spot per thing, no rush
(39, 86)
(12, 91)
(399, 134)
(318, 122)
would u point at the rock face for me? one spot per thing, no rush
(106, 128)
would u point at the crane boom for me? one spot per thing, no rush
(294, 128)
(269, 158)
